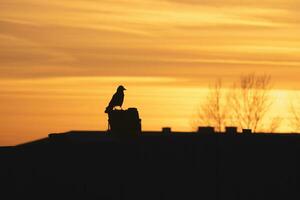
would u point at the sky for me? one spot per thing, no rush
(61, 60)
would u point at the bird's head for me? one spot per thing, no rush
(121, 88)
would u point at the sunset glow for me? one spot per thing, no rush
(60, 61)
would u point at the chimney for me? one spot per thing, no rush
(125, 123)
(247, 131)
(166, 130)
(231, 130)
(206, 129)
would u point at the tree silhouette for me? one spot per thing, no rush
(244, 105)
(250, 100)
(275, 123)
(295, 118)
(213, 110)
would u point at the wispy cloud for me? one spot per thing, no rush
(136, 38)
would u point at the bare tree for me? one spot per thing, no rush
(213, 110)
(244, 105)
(295, 118)
(275, 123)
(250, 100)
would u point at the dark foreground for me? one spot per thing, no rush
(90, 165)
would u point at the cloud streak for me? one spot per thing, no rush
(136, 38)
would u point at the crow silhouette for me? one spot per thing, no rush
(117, 99)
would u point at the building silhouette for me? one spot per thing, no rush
(152, 165)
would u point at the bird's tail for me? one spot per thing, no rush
(108, 109)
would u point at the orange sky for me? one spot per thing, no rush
(60, 61)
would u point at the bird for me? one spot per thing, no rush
(117, 99)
